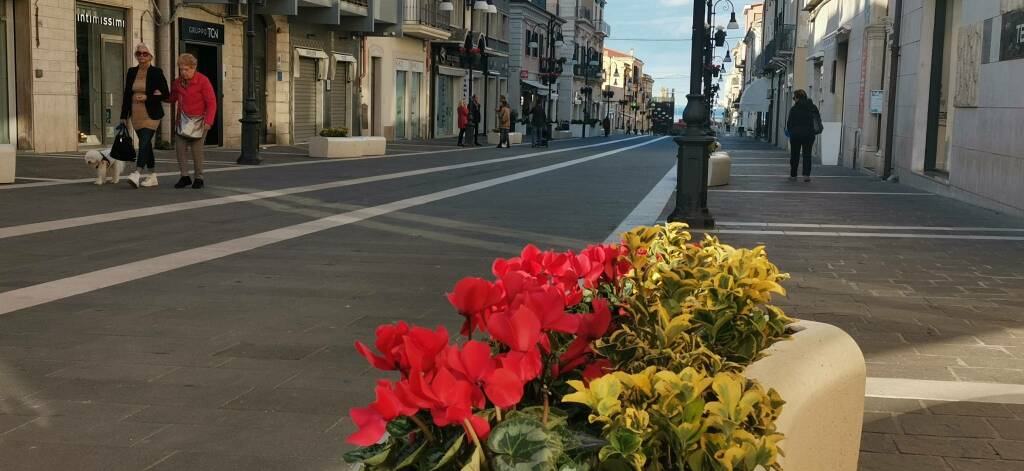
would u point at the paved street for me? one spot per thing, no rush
(186, 329)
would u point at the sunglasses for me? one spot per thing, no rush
(142, 54)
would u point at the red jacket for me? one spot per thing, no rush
(463, 117)
(197, 99)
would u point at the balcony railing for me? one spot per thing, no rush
(584, 13)
(362, 3)
(779, 49)
(606, 29)
(427, 12)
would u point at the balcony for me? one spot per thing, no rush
(354, 7)
(606, 29)
(585, 14)
(425, 20)
(778, 53)
(386, 11)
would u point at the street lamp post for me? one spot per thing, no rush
(551, 68)
(250, 111)
(693, 154)
(589, 64)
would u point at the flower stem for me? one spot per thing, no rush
(497, 413)
(423, 427)
(476, 441)
(547, 407)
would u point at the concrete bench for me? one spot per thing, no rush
(719, 169)
(7, 157)
(335, 147)
(513, 138)
(561, 134)
(373, 145)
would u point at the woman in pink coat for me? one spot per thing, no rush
(463, 122)
(194, 95)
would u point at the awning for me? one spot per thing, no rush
(541, 88)
(342, 57)
(755, 96)
(445, 70)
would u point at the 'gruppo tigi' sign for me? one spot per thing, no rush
(1011, 44)
(192, 30)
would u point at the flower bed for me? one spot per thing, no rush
(619, 357)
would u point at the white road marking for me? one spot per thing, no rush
(816, 176)
(43, 293)
(127, 164)
(45, 179)
(649, 209)
(826, 192)
(953, 391)
(867, 227)
(884, 235)
(58, 224)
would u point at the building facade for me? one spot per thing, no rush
(583, 32)
(530, 43)
(624, 79)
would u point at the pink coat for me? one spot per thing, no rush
(197, 99)
(463, 117)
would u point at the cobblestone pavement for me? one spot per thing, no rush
(930, 288)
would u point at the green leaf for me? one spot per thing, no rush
(436, 457)
(523, 444)
(408, 454)
(400, 427)
(372, 455)
(475, 460)
(625, 441)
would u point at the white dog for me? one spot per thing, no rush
(105, 165)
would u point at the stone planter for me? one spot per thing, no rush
(494, 138)
(820, 373)
(719, 169)
(561, 134)
(346, 147)
(7, 157)
(577, 130)
(334, 147)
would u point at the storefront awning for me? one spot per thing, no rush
(755, 97)
(455, 72)
(541, 88)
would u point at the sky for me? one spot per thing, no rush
(633, 21)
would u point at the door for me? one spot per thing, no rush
(5, 102)
(375, 97)
(304, 101)
(112, 85)
(414, 105)
(445, 105)
(339, 96)
(400, 109)
(208, 57)
(939, 103)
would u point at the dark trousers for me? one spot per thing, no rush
(462, 136)
(145, 158)
(538, 135)
(503, 141)
(796, 146)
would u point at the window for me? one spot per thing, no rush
(832, 87)
(540, 46)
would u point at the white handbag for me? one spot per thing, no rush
(192, 127)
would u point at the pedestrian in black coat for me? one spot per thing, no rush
(802, 132)
(474, 119)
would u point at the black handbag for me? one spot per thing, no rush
(816, 125)
(123, 148)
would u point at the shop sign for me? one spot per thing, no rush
(192, 30)
(1011, 44)
(85, 14)
(877, 101)
(524, 74)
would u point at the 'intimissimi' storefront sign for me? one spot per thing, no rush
(87, 14)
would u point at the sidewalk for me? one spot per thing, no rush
(932, 290)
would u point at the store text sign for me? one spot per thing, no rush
(93, 17)
(1011, 44)
(192, 30)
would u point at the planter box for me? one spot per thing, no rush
(7, 156)
(577, 130)
(820, 373)
(494, 138)
(346, 147)
(561, 134)
(334, 147)
(719, 169)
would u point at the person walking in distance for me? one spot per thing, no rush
(197, 109)
(803, 125)
(463, 122)
(474, 119)
(145, 89)
(504, 122)
(607, 125)
(539, 120)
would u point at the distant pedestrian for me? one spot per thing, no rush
(606, 123)
(197, 110)
(463, 122)
(504, 122)
(474, 119)
(803, 125)
(539, 120)
(145, 89)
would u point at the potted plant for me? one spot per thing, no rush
(629, 356)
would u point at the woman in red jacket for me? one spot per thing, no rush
(463, 122)
(197, 109)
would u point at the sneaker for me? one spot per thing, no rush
(807, 179)
(198, 183)
(792, 179)
(149, 181)
(184, 181)
(133, 179)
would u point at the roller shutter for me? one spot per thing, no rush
(304, 98)
(339, 96)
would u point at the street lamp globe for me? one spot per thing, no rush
(733, 24)
(480, 5)
(559, 42)
(728, 58)
(446, 5)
